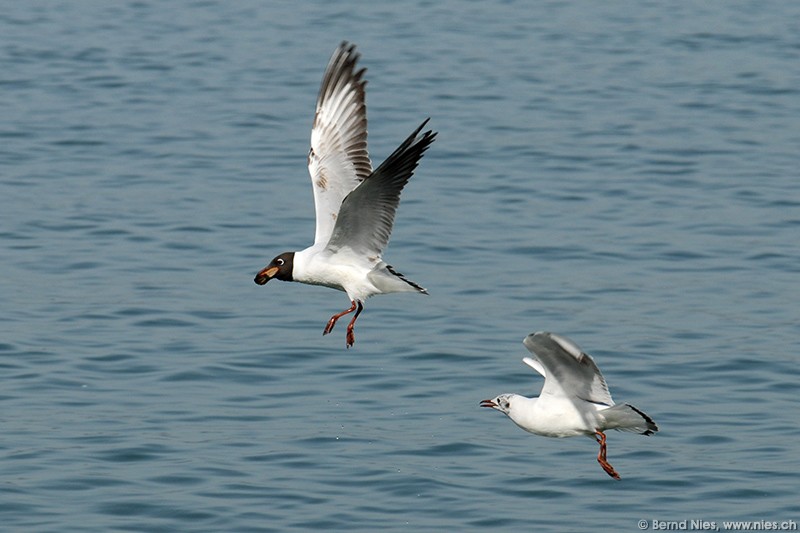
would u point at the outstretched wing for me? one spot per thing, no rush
(367, 215)
(536, 365)
(338, 160)
(569, 372)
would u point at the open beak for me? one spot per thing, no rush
(266, 275)
(488, 403)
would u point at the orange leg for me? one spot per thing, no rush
(601, 457)
(334, 318)
(357, 307)
(351, 338)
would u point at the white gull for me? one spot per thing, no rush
(574, 399)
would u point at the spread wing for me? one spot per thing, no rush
(367, 215)
(338, 160)
(536, 365)
(569, 372)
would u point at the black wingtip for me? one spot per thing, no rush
(414, 134)
(652, 427)
(430, 133)
(347, 46)
(417, 286)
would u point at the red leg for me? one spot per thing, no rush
(351, 339)
(334, 318)
(601, 457)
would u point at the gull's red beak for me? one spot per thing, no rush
(488, 403)
(266, 275)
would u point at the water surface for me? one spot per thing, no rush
(625, 176)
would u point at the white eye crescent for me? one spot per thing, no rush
(280, 262)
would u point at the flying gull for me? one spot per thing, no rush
(355, 205)
(574, 399)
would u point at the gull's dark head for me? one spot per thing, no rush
(501, 403)
(280, 268)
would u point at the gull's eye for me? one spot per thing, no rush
(279, 261)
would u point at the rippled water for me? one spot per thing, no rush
(625, 175)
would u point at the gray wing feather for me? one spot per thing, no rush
(570, 372)
(367, 214)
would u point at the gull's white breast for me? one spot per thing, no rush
(553, 417)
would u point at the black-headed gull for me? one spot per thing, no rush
(574, 399)
(355, 205)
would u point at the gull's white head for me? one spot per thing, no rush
(503, 403)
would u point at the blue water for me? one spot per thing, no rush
(623, 174)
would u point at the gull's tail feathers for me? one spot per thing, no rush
(626, 417)
(387, 279)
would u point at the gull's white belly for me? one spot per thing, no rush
(556, 418)
(337, 272)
